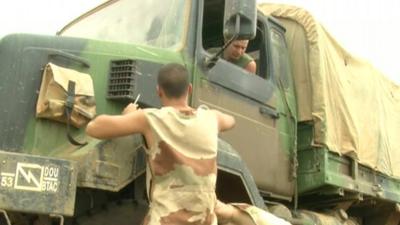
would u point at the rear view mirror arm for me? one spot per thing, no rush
(210, 62)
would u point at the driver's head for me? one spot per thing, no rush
(236, 49)
(173, 82)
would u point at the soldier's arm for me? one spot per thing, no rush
(225, 121)
(251, 67)
(111, 126)
(228, 214)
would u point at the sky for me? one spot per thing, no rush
(367, 28)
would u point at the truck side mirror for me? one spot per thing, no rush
(240, 19)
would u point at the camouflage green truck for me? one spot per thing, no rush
(271, 159)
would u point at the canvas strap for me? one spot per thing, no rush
(69, 106)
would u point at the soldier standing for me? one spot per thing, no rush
(182, 149)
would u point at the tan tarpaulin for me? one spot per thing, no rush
(355, 108)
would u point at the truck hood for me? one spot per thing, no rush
(22, 59)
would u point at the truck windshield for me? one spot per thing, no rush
(151, 22)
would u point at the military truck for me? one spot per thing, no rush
(315, 140)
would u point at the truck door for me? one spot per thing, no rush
(251, 98)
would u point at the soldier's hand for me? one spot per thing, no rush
(130, 108)
(224, 212)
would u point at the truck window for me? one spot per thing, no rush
(160, 24)
(213, 38)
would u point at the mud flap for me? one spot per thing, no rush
(37, 184)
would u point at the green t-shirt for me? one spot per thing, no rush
(243, 61)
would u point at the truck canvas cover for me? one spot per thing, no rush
(355, 109)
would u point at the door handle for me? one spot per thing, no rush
(267, 111)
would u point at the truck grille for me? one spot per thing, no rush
(121, 80)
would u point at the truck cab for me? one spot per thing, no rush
(262, 103)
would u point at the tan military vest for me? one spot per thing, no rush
(182, 166)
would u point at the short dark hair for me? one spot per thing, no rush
(173, 80)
